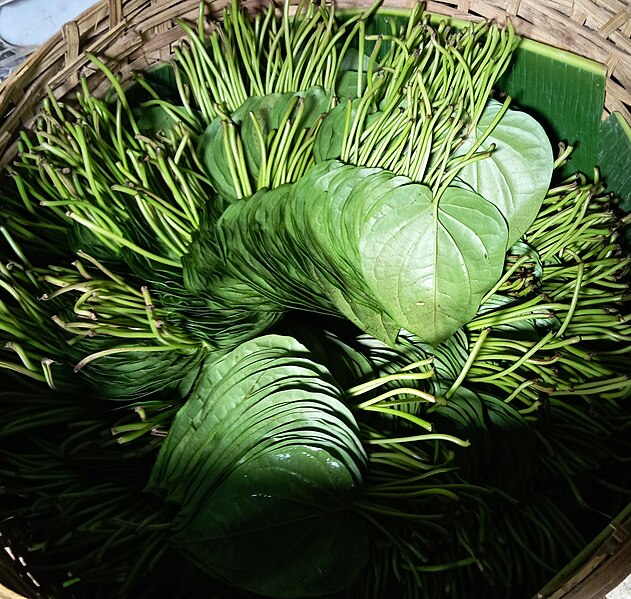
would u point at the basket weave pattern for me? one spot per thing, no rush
(133, 35)
(600, 30)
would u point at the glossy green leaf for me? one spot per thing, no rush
(364, 243)
(340, 353)
(346, 83)
(154, 119)
(614, 157)
(430, 262)
(280, 525)
(131, 376)
(517, 175)
(502, 452)
(264, 457)
(450, 357)
(223, 390)
(331, 134)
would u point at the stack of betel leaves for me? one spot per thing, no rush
(309, 312)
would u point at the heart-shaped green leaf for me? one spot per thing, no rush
(279, 525)
(517, 175)
(265, 462)
(430, 262)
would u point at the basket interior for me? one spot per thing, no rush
(567, 94)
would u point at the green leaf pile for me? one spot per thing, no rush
(364, 243)
(297, 315)
(265, 460)
(265, 128)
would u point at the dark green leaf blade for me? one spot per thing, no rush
(614, 157)
(280, 525)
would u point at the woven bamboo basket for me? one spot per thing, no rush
(134, 35)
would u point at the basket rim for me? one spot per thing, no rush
(69, 40)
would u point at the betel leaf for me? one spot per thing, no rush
(119, 377)
(513, 444)
(222, 388)
(270, 112)
(346, 84)
(502, 451)
(464, 415)
(340, 353)
(363, 243)
(450, 357)
(332, 244)
(154, 119)
(329, 140)
(265, 462)
(336, 125)
(280, 525)
(430, 262)
(349, 73)
(351, 58)
(517, 175)
(161, 79)
(80, 238)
